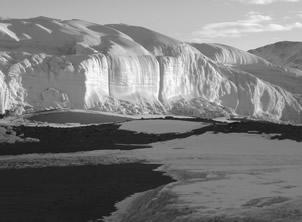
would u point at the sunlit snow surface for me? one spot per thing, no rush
(226, 177)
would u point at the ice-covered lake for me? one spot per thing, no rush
(80, 117)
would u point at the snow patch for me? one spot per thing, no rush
(161, 126)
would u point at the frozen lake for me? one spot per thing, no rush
(76, 117)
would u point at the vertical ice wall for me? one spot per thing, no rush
(87, 81)
(131, 77)
(188, 76)
(4, 94)
(95, 68)
(42, 82)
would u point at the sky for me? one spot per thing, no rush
(245, 24)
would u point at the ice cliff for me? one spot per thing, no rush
(48, 63)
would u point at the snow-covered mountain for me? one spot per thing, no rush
(284, 53)
(288, 56)
(49, 63)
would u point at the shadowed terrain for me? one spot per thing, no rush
(109, 136)
(75, 193)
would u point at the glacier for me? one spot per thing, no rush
(49, 63)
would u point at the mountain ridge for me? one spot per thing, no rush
(284, 53)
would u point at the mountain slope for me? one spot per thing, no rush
(228, 55)
(284, 53)
(49, 63)
(281, 76)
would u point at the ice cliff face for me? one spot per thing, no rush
(48, 63)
